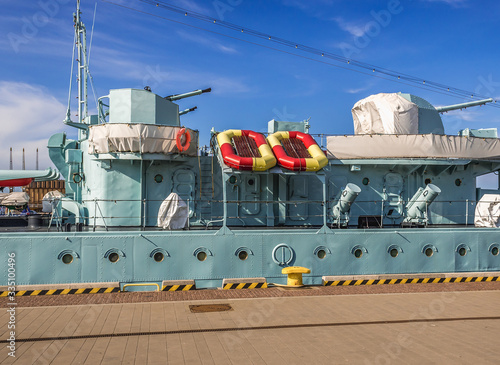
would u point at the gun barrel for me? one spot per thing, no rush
(187, 95)
(185, 111)
(443, 109)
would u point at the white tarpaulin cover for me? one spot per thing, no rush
(16, 199)
(51, 199)
(385, 114)
(142, 138)
(173, 213)
(488, 211)
(412, 146)
(3, 196)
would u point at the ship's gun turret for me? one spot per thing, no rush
(188, 95)
(444, 109)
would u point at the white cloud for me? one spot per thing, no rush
(309, 6)
(466, 115)
(161, 78)
(30, 115)
(356, 29)
(207, 42)
(454, 3)
(191, 5)
(358, 90)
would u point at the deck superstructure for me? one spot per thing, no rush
(397, 202)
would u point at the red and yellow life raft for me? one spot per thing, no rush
(297, 151)
(252, 151)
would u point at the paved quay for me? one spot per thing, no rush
(446, 324)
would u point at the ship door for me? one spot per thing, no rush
(393, 203)
(298, 196)
(184, 184)
(250, 194)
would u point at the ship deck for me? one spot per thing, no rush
(390, 324)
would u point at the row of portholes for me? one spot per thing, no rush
(428, 250)
(201, 253)
(158, 255)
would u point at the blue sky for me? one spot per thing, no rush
(454, 42)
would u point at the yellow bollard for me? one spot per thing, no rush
(295, 275)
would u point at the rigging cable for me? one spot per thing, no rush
(376, 71)
(68, 111)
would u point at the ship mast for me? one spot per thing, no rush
(81, 46)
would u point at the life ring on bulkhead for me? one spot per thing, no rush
(183, 140)
(302, 156)
(248, 158)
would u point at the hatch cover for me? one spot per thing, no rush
(205, 308)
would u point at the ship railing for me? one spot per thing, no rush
(101, 112)
(209, 212)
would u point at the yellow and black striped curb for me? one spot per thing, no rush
(244, 286)
(473, 279)
(179, 287)
(26, 293)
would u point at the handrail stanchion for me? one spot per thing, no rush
(466, 212)
(95, 214)
(143, 214)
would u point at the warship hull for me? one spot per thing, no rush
(39, 256)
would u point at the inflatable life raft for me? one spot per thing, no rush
(297, 151)
(250, 151)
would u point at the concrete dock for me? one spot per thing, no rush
(315, 325)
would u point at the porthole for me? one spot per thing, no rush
(429, 250)
(394, 250)
(462, 251)
(251, 182)
(494, 251)
(202, 253)
(358, 251)
(427, 181)
(243, 255)
(366, 181)
(158, 178)
(458, 182)
(232, 179)
(113, 257)
(114, 254)
(67, 258)
(321, 254)
(158, 256)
